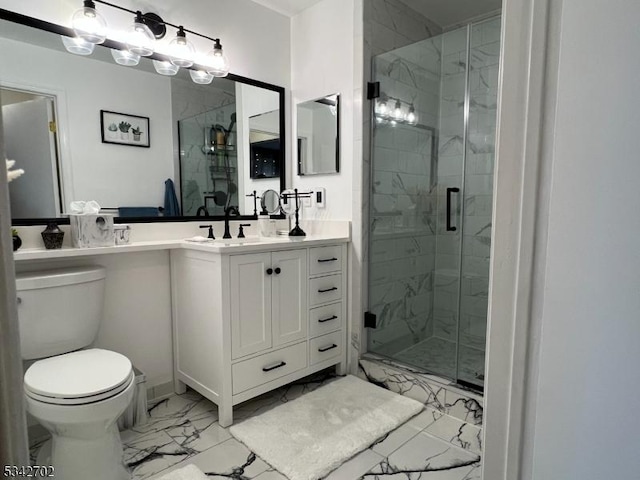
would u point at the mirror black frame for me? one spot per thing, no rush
(299, 159)
(68, 32)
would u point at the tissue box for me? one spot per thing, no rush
(92, 230)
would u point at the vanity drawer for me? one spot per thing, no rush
(326, 347)
(270, 366)
(325, 260)
(325, 319)
(325, 289)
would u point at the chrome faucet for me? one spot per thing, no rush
(227, 213)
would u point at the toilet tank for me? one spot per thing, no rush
(59, 310)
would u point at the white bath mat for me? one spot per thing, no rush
(314, 434)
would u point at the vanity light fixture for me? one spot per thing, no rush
(165, 68)
(201, 77)
(383, 109)
(125, 57)
(216, 61)
(90, 28)
(181, 50)
(88, 24)
(412, 118)
(397, 111)
(78, 46)
(140, 39)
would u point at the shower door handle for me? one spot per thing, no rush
(451, 190)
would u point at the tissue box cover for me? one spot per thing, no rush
(92, 230)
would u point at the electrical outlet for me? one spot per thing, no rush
(320, 197)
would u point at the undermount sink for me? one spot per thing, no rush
(239, 241)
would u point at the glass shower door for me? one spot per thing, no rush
(433, 147)
(405, 223)
(484, 57)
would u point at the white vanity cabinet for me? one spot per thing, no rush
(246, 323)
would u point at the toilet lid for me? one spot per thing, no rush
(76, 375)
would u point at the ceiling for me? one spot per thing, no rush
(443, 12)
(449, 12)
(288, 7)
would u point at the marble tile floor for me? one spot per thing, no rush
(438, 355)
(184, 429)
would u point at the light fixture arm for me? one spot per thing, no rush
(154, 18)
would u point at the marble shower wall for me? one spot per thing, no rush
(402, 242)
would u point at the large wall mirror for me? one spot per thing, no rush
(73, 124)
(318, 129)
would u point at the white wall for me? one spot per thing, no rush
(322, 63)
(113, 175)
(585, 423)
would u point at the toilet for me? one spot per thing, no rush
(76, 393)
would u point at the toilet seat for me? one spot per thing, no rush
(78, 378)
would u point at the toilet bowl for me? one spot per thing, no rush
(78, 398)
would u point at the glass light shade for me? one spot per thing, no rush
(89, 25)
(217, 63)
(198, 76)
(397, 112)
(412, 118)
(383, 109)
(181, 51)
(140, 39)
(165, 68)
(78, 46)
(126, 58)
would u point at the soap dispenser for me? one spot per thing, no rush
(264, 224)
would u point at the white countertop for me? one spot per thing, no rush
(220, 246)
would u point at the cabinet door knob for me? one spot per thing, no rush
(269, 271)
(277, 270)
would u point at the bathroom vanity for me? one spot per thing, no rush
(246, 322)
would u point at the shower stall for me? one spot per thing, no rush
(432, 157)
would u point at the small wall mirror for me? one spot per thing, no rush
(318, 130)
(270, 202)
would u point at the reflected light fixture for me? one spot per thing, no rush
(125, 57)
(412, 118)
(397, 111)
(383, 109)
(140, 39)
(78, 46)
(201, 77)
(88, 24)
(216, 61)
(403, 112)
(181, 50)
(165, 68)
